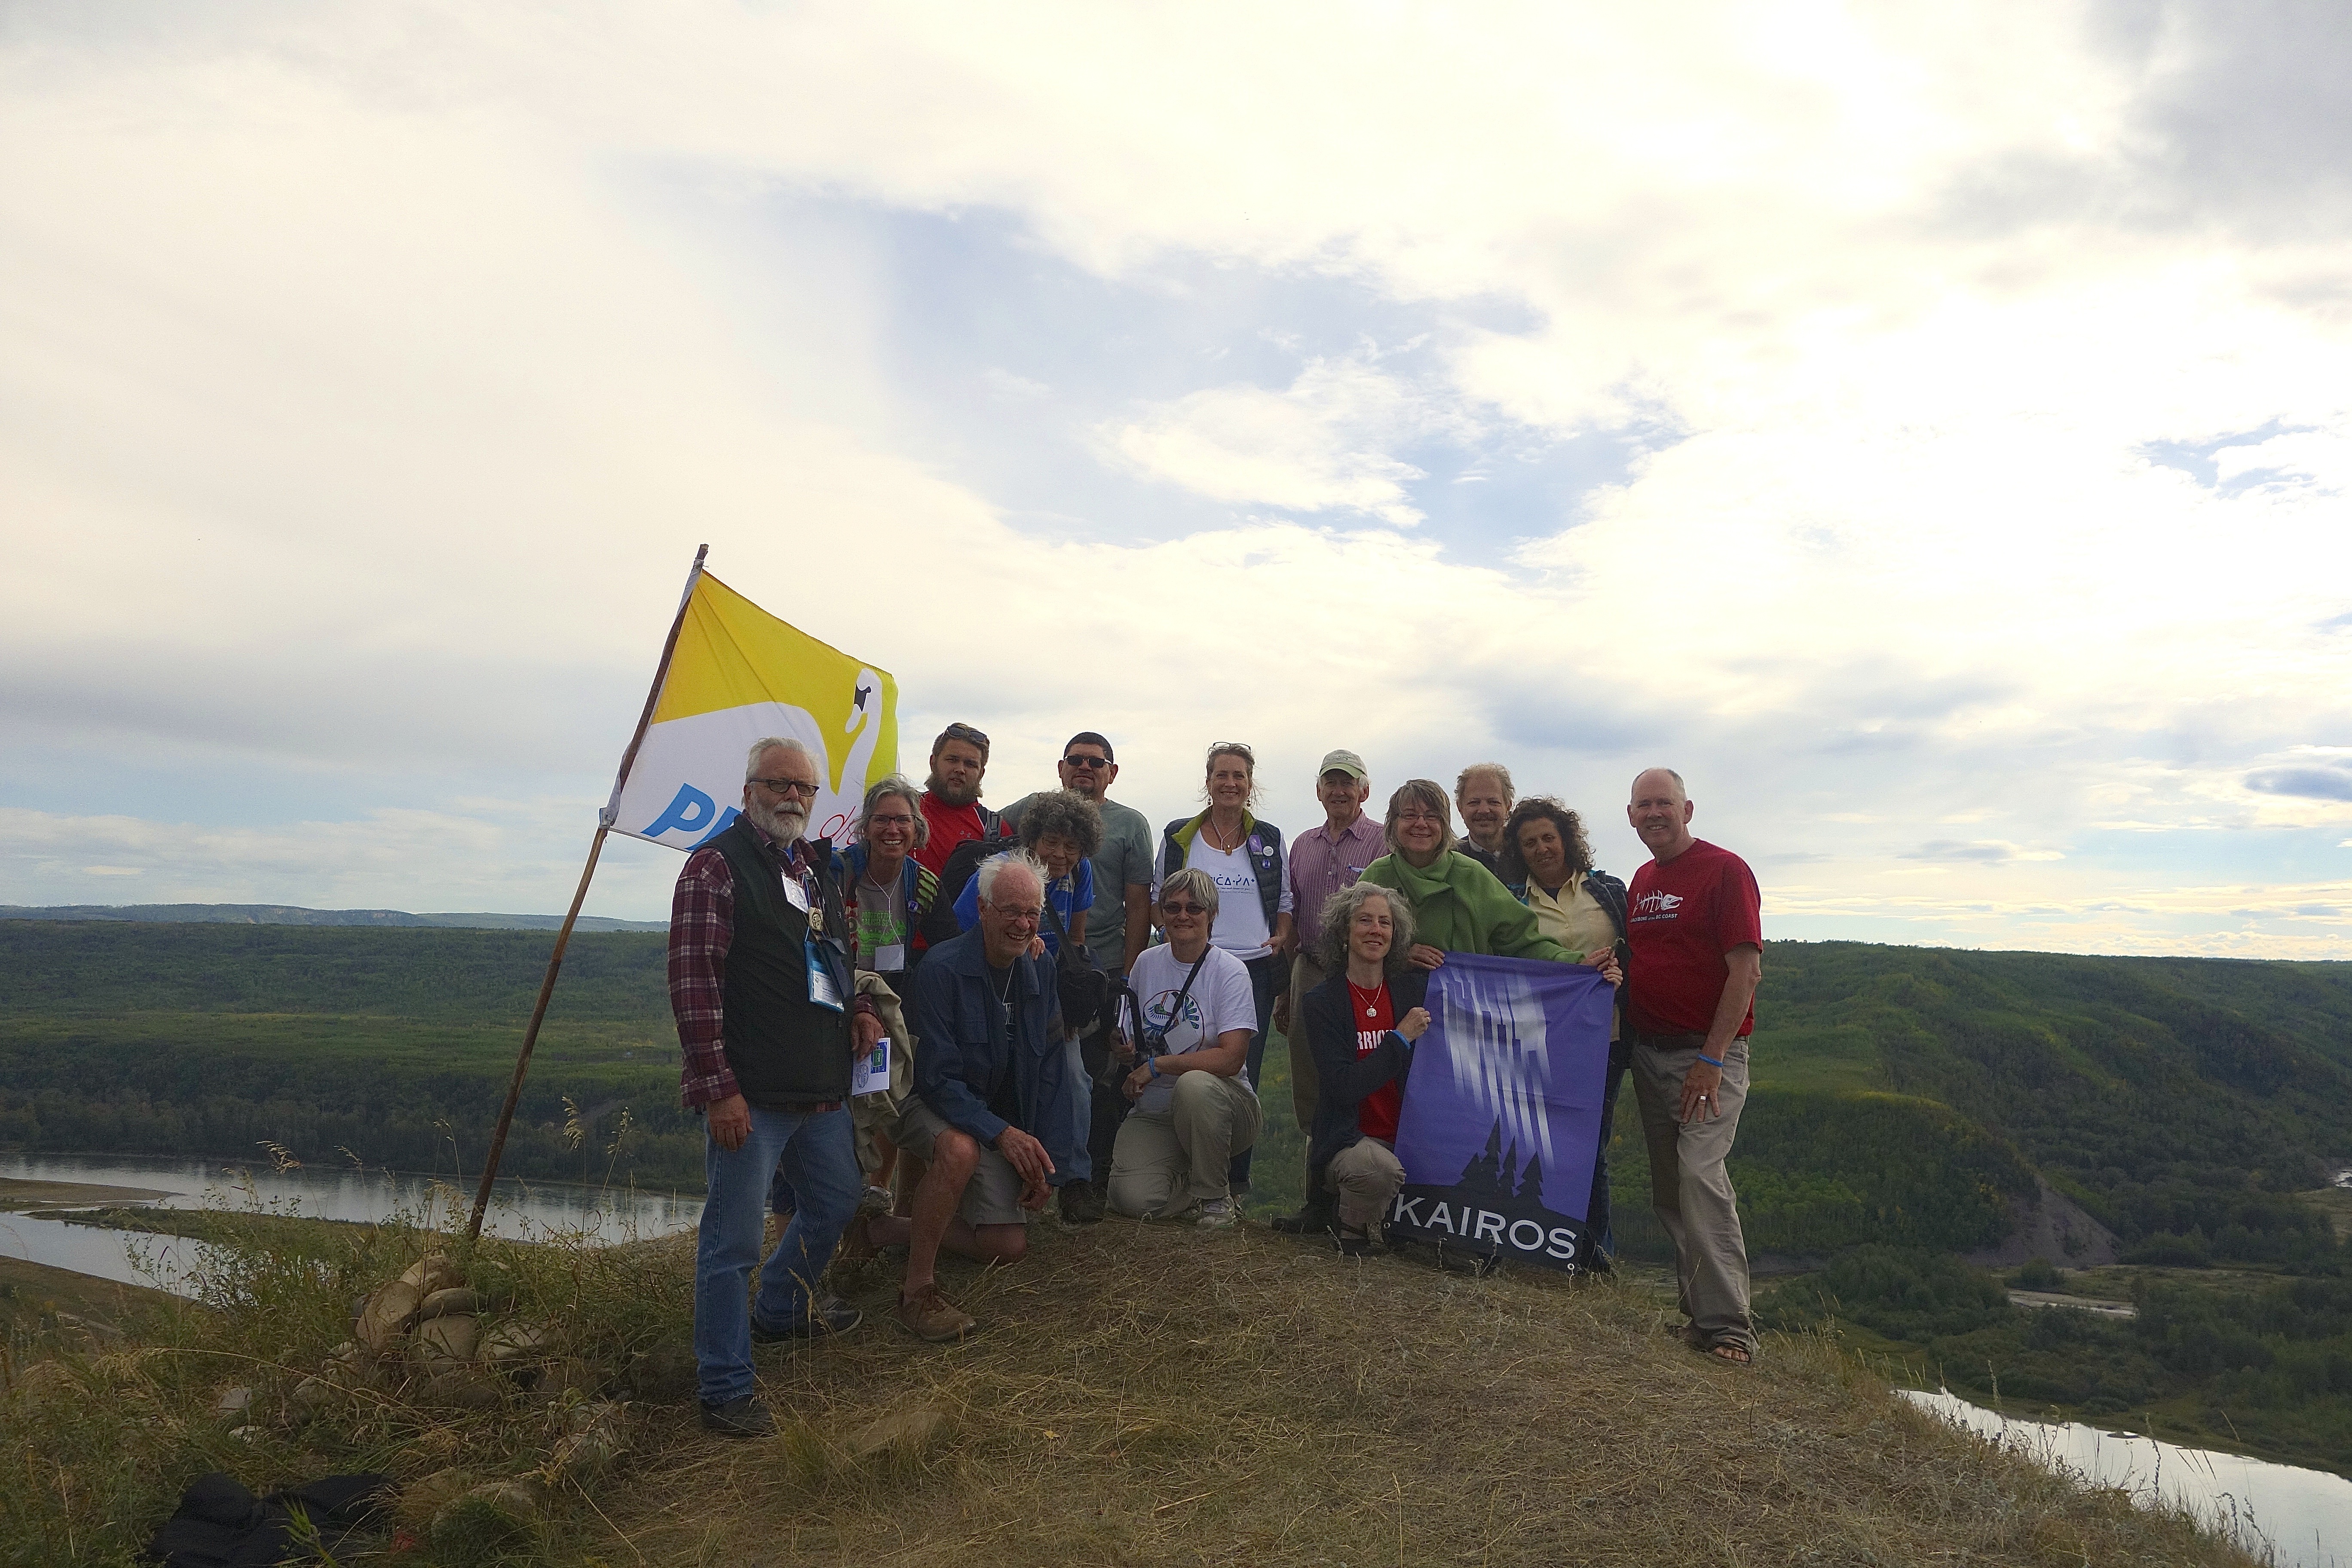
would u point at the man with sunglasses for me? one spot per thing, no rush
(951, 796)
(768, 1016)
(1117, 931)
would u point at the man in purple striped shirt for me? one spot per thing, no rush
(1322, 861)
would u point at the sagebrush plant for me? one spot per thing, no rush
(98, 1436)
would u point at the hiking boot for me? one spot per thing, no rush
(1313, 1220)
(1219, 1213)
(827, 1315)
(1081, 1204)
(742, 1416)
(1355, 1243)
(928, 1315)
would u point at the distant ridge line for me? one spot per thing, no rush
(294, 915)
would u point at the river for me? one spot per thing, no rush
(522, 1210)
(2284, 1514)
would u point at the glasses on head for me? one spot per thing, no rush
(1233, 748)
(1079, 760)
(1405, 816)
(961, 732)
(1173, 907)
(787, 788)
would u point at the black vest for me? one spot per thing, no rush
(784, 1050)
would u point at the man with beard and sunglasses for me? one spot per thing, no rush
(768, 1016)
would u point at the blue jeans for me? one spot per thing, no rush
(818, 1155)
(1267, 975)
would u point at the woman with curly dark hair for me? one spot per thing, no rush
(1546, 862)
(1062, 829)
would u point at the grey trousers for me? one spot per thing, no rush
(1365, 1174)
(1690, 1188)
(1164, 1165)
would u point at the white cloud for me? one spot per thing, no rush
(368, 380)
(1320, 445)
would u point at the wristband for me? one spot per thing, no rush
(1154, 1065)
(1709, 1061)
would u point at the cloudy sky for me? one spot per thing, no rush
(1927, 427)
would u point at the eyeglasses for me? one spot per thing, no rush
(1082, 760)
(1404, 816)
(889, 819)
(788, 788)
(1029, 914)
(1173, 907)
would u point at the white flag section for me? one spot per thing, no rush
(738, 674)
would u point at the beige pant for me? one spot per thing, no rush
(1306, 974)
(1692, 1191)
(1165, 1163)
(1365, 1174)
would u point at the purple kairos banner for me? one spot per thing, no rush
(1502, 1113)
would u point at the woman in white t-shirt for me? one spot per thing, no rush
(1243, 856)
(1195, 1106)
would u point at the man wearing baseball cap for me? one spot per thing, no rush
(1323, 860)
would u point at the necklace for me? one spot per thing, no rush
(1209, 831)
(1368, 998)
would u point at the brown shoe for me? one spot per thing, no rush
(928, 1315)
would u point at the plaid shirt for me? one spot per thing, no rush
(701, 928)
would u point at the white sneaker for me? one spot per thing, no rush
(1218, 1214)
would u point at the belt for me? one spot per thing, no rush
(1669, 1042)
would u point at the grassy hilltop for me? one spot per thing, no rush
(1909, 1102)
(1138, 1395)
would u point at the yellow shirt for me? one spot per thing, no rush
(1575, 919)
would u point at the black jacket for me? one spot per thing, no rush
(1342, 1078)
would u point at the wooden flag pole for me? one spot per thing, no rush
(571, 915)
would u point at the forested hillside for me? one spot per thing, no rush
(392, 1046)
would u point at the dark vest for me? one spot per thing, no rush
(784, 1049)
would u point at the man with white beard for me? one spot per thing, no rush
(768, 1016)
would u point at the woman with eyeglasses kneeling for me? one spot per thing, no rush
(1195, 1108)
(1361, 1024)
(1458, 905)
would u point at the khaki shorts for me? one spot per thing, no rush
(992, 1197)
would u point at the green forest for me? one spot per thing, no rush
(1905, 1100)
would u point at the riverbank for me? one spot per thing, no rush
(20, 1196)
(32, 1295)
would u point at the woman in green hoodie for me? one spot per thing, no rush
(1458, 906)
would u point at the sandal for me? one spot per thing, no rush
(1725, 1351)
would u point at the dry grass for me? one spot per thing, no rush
(1153, 1395)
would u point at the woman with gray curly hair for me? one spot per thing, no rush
(1361, 1024)
(1062, 829)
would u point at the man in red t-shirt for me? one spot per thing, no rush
(1695, 925)
(950, 802)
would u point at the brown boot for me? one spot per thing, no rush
(928, 1315)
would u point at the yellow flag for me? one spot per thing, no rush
(738, 675)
